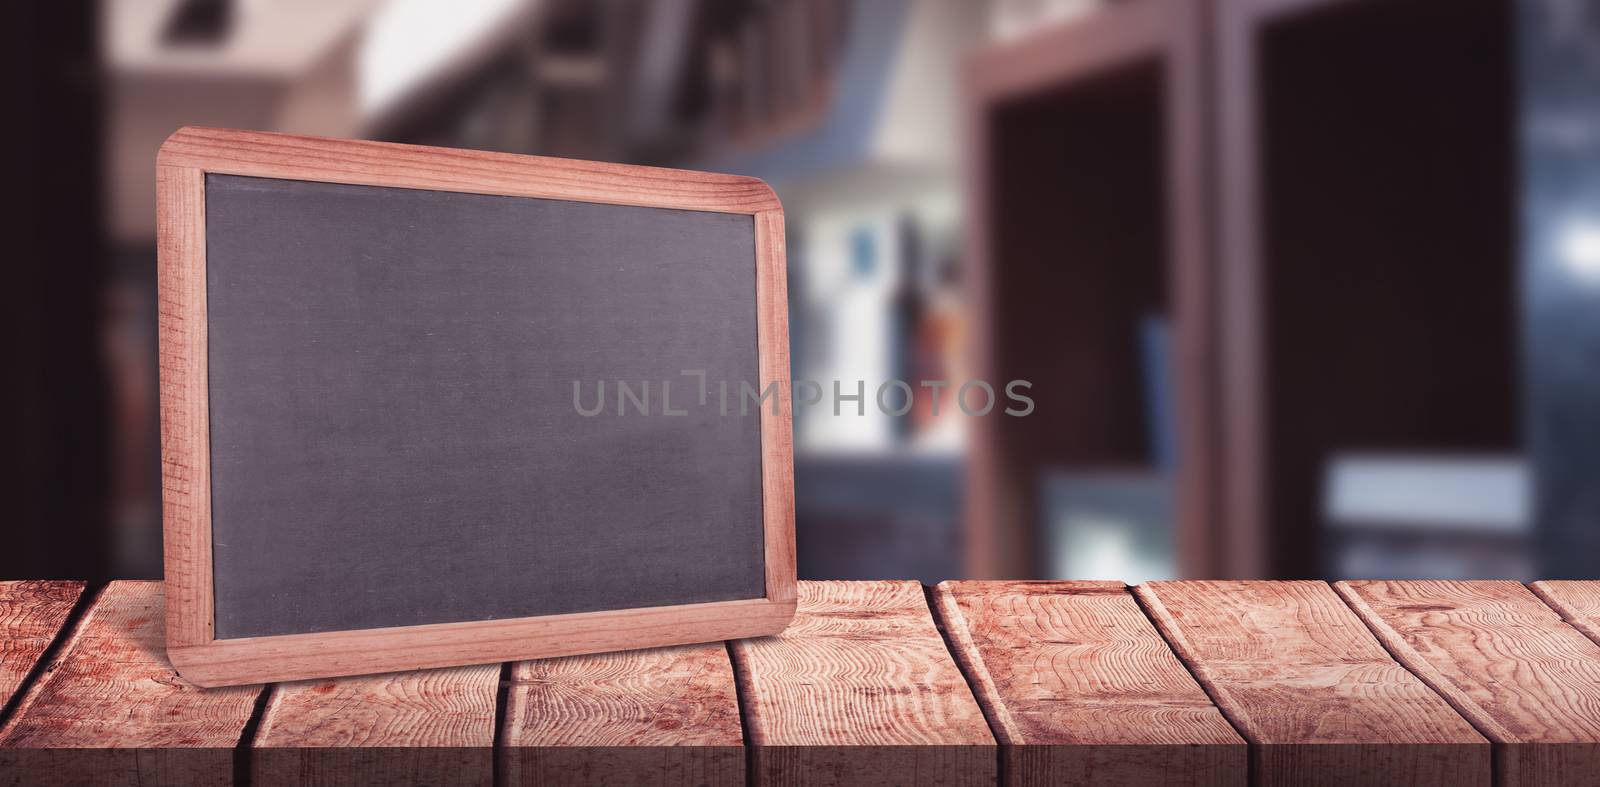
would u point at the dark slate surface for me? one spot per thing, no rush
(393, 432)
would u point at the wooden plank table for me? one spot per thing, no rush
(1082, 689)
(861, 690)
(110, 710)
(381, 729)
(1022, 683)
(661, 716)
(1317, 696)
(1507, 661)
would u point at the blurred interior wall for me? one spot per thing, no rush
(55, 408)
(288, 66)
(285, 66)
(1560, 149)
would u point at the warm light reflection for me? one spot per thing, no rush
(1579, 249)
(409, 40)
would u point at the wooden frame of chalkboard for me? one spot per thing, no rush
(183, 164)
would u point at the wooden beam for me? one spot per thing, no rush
(111, 710)
(1527, 680)
(1081, 689)
(362, 162)
(31, 616)
(860, 690)
(666, 716)
(1318, 698)
(425, 727)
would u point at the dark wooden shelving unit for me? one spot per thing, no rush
(1367, 195)
(1087, 213)
(1321, 196)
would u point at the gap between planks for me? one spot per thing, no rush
(502, 696)
(970, 675)
(1484, 726)
(1508, 660)
(741, 696)
(1312, 689)
(1238, 729)
(245, 749)
(109, 703)
(862, 689)
(87, 595)
(1081, 688)
(242, 759)
(1481, 724)
(1250, 768)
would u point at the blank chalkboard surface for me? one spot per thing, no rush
(380, 372)
(392, 396)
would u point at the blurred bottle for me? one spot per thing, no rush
(909, 359)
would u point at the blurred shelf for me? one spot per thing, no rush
(1412, 516)
(1108, 524)
(1367, 212)
(1428, 493)
(1088, 221)
(889, 104)
(878, 516)
(1318, 195)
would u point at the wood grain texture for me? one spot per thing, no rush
(1304, 681)
(1578, 603)
(663, 716)
(1081, 689)
(31, 616)
(335, 654)
(111, 711)
(1505, 660)
(268, 155)
(431, 727)
(185, 405)
(777, 429)
(860, 690)
(184, 160)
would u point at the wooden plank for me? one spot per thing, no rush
(664, 716)
(1306, 683)
(431, 727)
(777, 428)
(861, 690)
(1578, 602)
(421, 647)
(269, 155)
(185, 402)
(1525, 678)
(111, 711)
(1081, 689)
(31, 616)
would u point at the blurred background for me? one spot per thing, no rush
(1304, 288)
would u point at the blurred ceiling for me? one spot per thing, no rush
(321, 67)
(261, 39)
(772, 88)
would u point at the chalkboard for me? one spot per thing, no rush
(426, 407)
